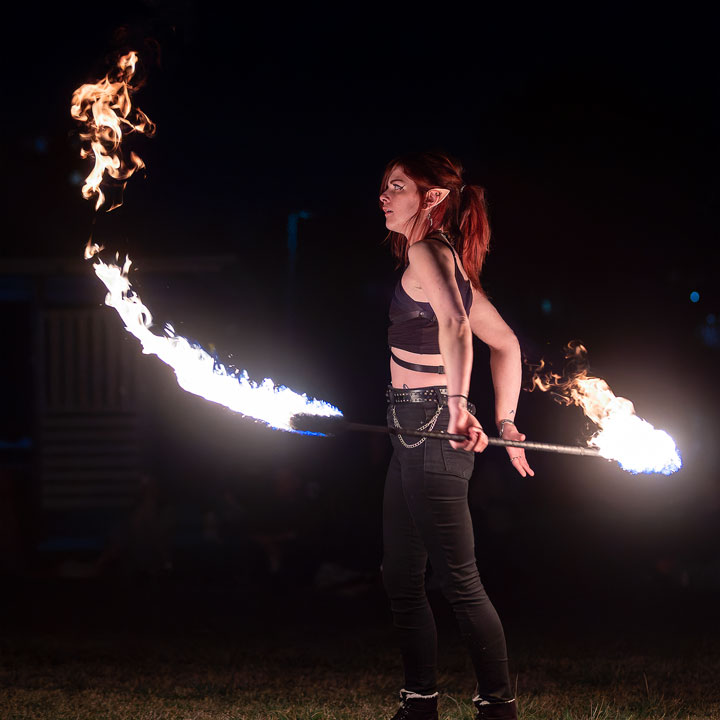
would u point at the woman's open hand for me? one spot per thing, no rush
(517, 455)
(465, 423)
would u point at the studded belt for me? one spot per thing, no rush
(435, 393)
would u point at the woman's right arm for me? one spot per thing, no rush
(433, 268)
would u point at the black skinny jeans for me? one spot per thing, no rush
(426, 515)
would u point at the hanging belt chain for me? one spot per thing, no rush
(429, 425)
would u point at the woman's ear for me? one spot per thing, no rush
(434, 196)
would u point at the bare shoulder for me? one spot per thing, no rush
(430, 250)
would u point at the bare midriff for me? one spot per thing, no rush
(402, 376)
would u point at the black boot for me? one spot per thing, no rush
(496, 710)
(416, 707)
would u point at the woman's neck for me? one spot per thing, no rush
(417, 237)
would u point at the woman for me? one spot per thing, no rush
(439, 230)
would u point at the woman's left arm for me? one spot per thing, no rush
(506, 368)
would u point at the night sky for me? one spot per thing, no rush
(596, 141)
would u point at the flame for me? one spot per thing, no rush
(621, 435)
(105, 109)
(92, 249)
(196, 370)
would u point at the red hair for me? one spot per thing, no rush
(462, 214)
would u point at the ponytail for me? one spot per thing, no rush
(473, 240)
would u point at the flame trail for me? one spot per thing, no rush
(196, 370)
(621, 435)
(104, 109)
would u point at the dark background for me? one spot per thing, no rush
(595, 139)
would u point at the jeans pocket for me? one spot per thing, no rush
(457, 462)
(441, 458)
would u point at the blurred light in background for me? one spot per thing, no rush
(694, 296)
(710, 331)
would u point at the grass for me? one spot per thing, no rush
(82, 654)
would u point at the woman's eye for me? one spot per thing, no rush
(397, 187)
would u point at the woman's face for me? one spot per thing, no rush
(400, 201)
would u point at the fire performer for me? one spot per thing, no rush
(439, 231)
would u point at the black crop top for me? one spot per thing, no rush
(413, 325)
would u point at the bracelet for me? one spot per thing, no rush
(501, 425)
(462, 396)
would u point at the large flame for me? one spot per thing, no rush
(196, 370)
(621, 434)
(105, 109)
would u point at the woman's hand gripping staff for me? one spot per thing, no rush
(465, 423)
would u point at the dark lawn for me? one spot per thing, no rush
(90, 649)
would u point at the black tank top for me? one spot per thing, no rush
(413, 325)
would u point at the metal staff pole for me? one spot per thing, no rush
(498, 442)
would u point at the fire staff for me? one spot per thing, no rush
(439, 233)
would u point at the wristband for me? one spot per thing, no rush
(458, 395)
(501, 425)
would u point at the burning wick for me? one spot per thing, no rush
(104, 109)
(621, 435)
